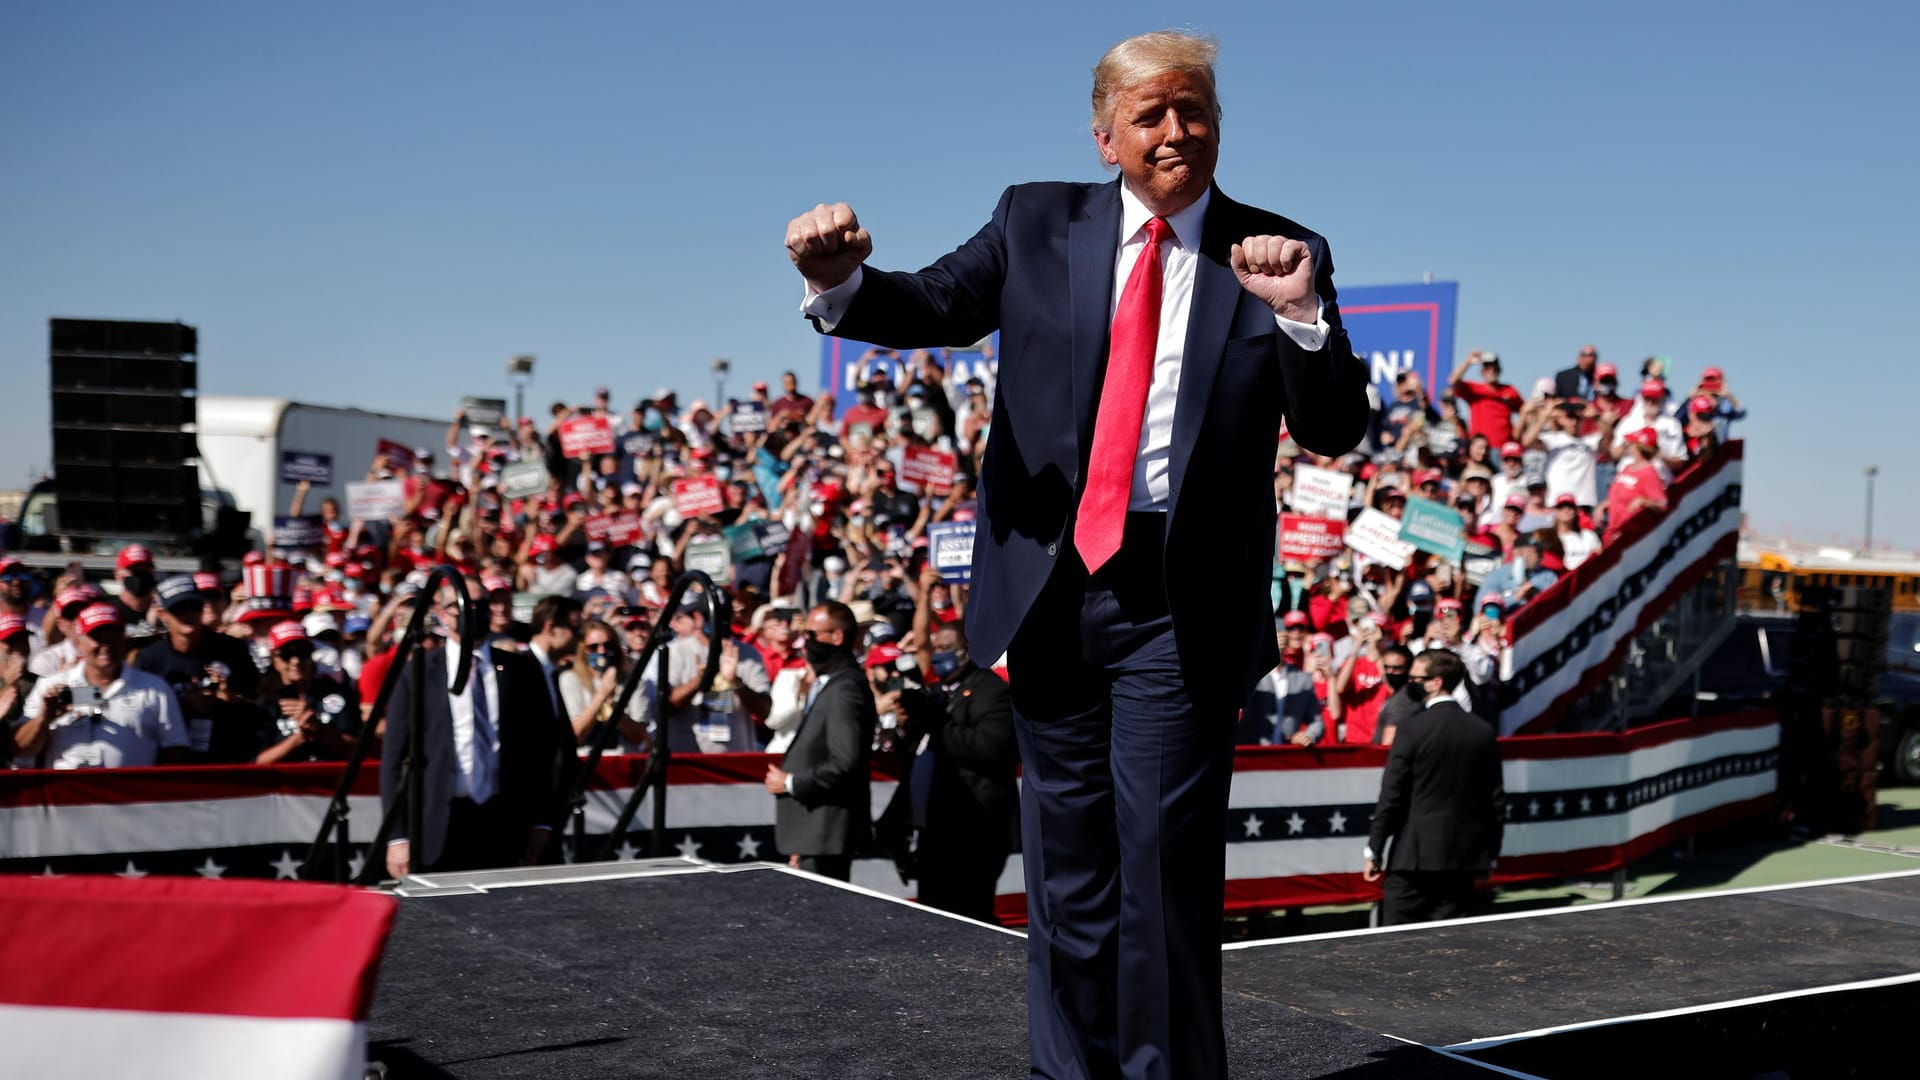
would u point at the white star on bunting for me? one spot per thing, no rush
(749, 847)
(1533, 808)
(131, 872)
(48, 872)
(1252, 825)
(1559, 807)
(354, 866)
(1586, 803)
(1610, 800)
(285, 868)
(1296, 824)
(1337, 822)
(688, 847)
(210, 869)
(625, 852)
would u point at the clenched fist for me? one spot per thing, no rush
(1280, 272)
(827, 245)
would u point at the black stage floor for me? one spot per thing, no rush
(676, 969)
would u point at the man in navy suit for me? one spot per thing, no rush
(497, 756)
(1154, 333)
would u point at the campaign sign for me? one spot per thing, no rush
(697, 495)
(294, 533)
(596, 526)
(1435, 528)
(712, 558)
(484, 411)
(1322, 493)
(950, 549)
(523, 479)
(623, 528)
(845, 365)
(773, 535)
(1377, 536)
(398, 456)
(744, 539)
(377, 500)
(298, 465)
(586, 436)
(1398, 328)
(1310, 539)
(749, 416)
(928, 469)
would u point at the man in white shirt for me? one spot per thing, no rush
(100, 713)
(1571, 457)
(1671, 441)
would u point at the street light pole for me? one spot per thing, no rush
(720, 368)
(519, 373)
(1872, 471)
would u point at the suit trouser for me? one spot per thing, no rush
(959, 866)
(838, 867)
(479, 837)
(1410, 896)
(1123, 824)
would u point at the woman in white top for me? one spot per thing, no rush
(589, 685)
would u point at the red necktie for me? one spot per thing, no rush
(1123, 404)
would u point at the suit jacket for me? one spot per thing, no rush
(536, 748)
(974, 796)
(830, 810)
(1442, 800)
(1041, 271)
(1568, 383)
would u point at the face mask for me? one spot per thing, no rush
(1395, 679)
(599, 661)
(724, 472)
(138, 586)
(821, 653)
(652, 420)
(1416, 691)
(945, 664)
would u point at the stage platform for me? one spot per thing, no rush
(677, 968)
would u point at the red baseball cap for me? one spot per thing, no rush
(253, 558)
(1713, 375)
(1295, 618)
(1653, 388)
(1516, 502)
(1704, 404)
(1427, 476)
(1449, 604)
(96, 616)
(759, 386)
(133, 555)
(207, 582)
(1605, 371)
(80, 594)
(10, 626)
(1511, 448)
(1643, 437)
(883, 654)
(541, 545)
(286, 633)
(1567, 499)
(8, 562)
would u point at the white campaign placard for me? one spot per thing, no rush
(1377, 536)
(376, 500)
(1321, 492)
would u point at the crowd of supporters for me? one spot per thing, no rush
(283, 662)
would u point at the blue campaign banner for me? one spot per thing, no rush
(298, 465)
(845, 364)
(950, 549)
(1398, 328)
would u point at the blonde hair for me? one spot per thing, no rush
(1148, 56)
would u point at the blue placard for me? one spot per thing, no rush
(298, 465)
(295, 533)
(1432, 527)
(845, 364)
(950, 549)
(1398, 328)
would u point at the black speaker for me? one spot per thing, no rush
(124, 403)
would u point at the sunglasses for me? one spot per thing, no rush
(603, 647)
(294, 654)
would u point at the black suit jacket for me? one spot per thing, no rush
(1572, 383)
(536, 748)
(1041, 272)
(1442, 801)
(830, 810)
(975, 796)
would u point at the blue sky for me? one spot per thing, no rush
(359, 204)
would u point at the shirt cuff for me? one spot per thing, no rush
(1309, 336)
(789, 783)
(1366, 854)
(831, 306)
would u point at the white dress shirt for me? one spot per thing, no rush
(1179, 257)
(476, 766)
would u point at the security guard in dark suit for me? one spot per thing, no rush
(1442, 802)
(962, 778)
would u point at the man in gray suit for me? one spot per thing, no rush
(822, 808)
